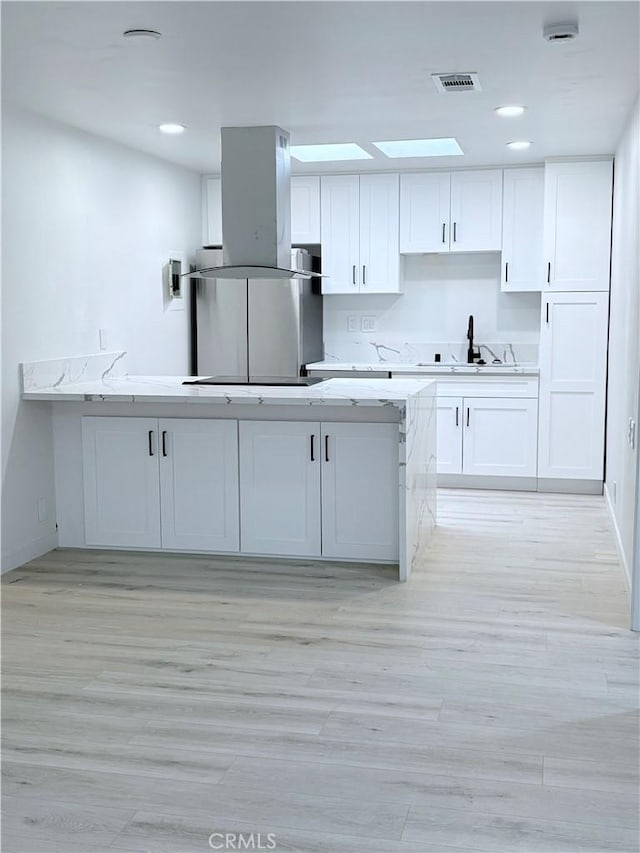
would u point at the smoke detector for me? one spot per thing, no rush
(560, 32)
(456, 82)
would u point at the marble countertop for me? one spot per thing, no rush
(169, 389)
(435, 369)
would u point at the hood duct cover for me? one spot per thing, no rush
(256, 206)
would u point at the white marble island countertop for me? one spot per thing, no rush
(169, 389)
(425, 369)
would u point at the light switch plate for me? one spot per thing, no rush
(173, 286)
(352, 323)
(368, 324)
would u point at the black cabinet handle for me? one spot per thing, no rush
(443, 224)
(455, 225)
(354, 274)
(326, 448)
(549, 272)
(364, 274)
(457, 416)
(313, 455)
(547, 312)
(164, 442)
(506, 272)
(467, 415)
(150, 437)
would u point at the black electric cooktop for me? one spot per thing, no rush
(302, 382)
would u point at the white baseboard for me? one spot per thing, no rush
(29, 552)
(618, 539)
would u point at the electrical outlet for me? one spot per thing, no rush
(368, 324)
(173, 284)
(631, 434)
(102, 339)
(352, 323)
(614, 491)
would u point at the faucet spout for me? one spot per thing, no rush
(472, 352)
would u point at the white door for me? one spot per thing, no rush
(500, 437)
(424, 212)
(476, 211)
(573, 368)
(577, 225)
(340, 232)
(449, 435)
(379, 234)
(121, 481)
(280, 487)
(212, 211)
(360, 486)
(199, 484)
(305, 209)
(522, 209)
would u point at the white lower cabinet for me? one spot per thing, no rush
(153, 483)
(487, 436)
(280, 487)
(312, 489)
(360, 491)
(121, 484)
(573, 370)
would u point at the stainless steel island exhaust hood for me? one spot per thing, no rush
(256, 210)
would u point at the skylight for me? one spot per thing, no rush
(330, 151)
(446, 147)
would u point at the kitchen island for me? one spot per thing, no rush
(340, 470)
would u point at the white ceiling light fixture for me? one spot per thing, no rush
(509, 112)
(324, 153)
(171, 129)
(444, 147)
(518, 146)
(148, 35)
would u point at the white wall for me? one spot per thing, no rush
(624, 337)
(86, 228)
(438, 294)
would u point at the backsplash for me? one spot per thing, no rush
(76, 368)
(431, 313)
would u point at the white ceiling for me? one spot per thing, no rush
(327, 72)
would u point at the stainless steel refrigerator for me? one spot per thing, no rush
(255, 331)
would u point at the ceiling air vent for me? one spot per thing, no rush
(456, 82)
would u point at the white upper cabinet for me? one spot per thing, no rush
(212, 211)
(425, 203)
(577, 225)
(451, 211)
(573, 369)
(476, 211)
(522, 211)
(359, 230)
(305, 209)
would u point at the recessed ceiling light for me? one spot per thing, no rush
(446, 147)
(509, 112)
(330, 151)
(171, 128)
(141, 34)
(518, 146)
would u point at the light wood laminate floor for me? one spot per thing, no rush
(487, 705)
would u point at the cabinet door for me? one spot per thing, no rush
(577, 225)
(476, 211)
(379, 234)
(522, 210)
(360, 491)
(340, 232)
(573, 365)
(500, 437)
(199, 484)
(425, 212)
(280, 487)
(212, 211)
(449, 435)
(121, 481)
(305, 209)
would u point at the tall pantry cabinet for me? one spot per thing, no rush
(574, 322)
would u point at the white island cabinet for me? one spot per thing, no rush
(343, 470)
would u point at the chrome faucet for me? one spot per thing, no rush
(472, 352)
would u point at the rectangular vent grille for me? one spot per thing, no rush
(456, 82)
